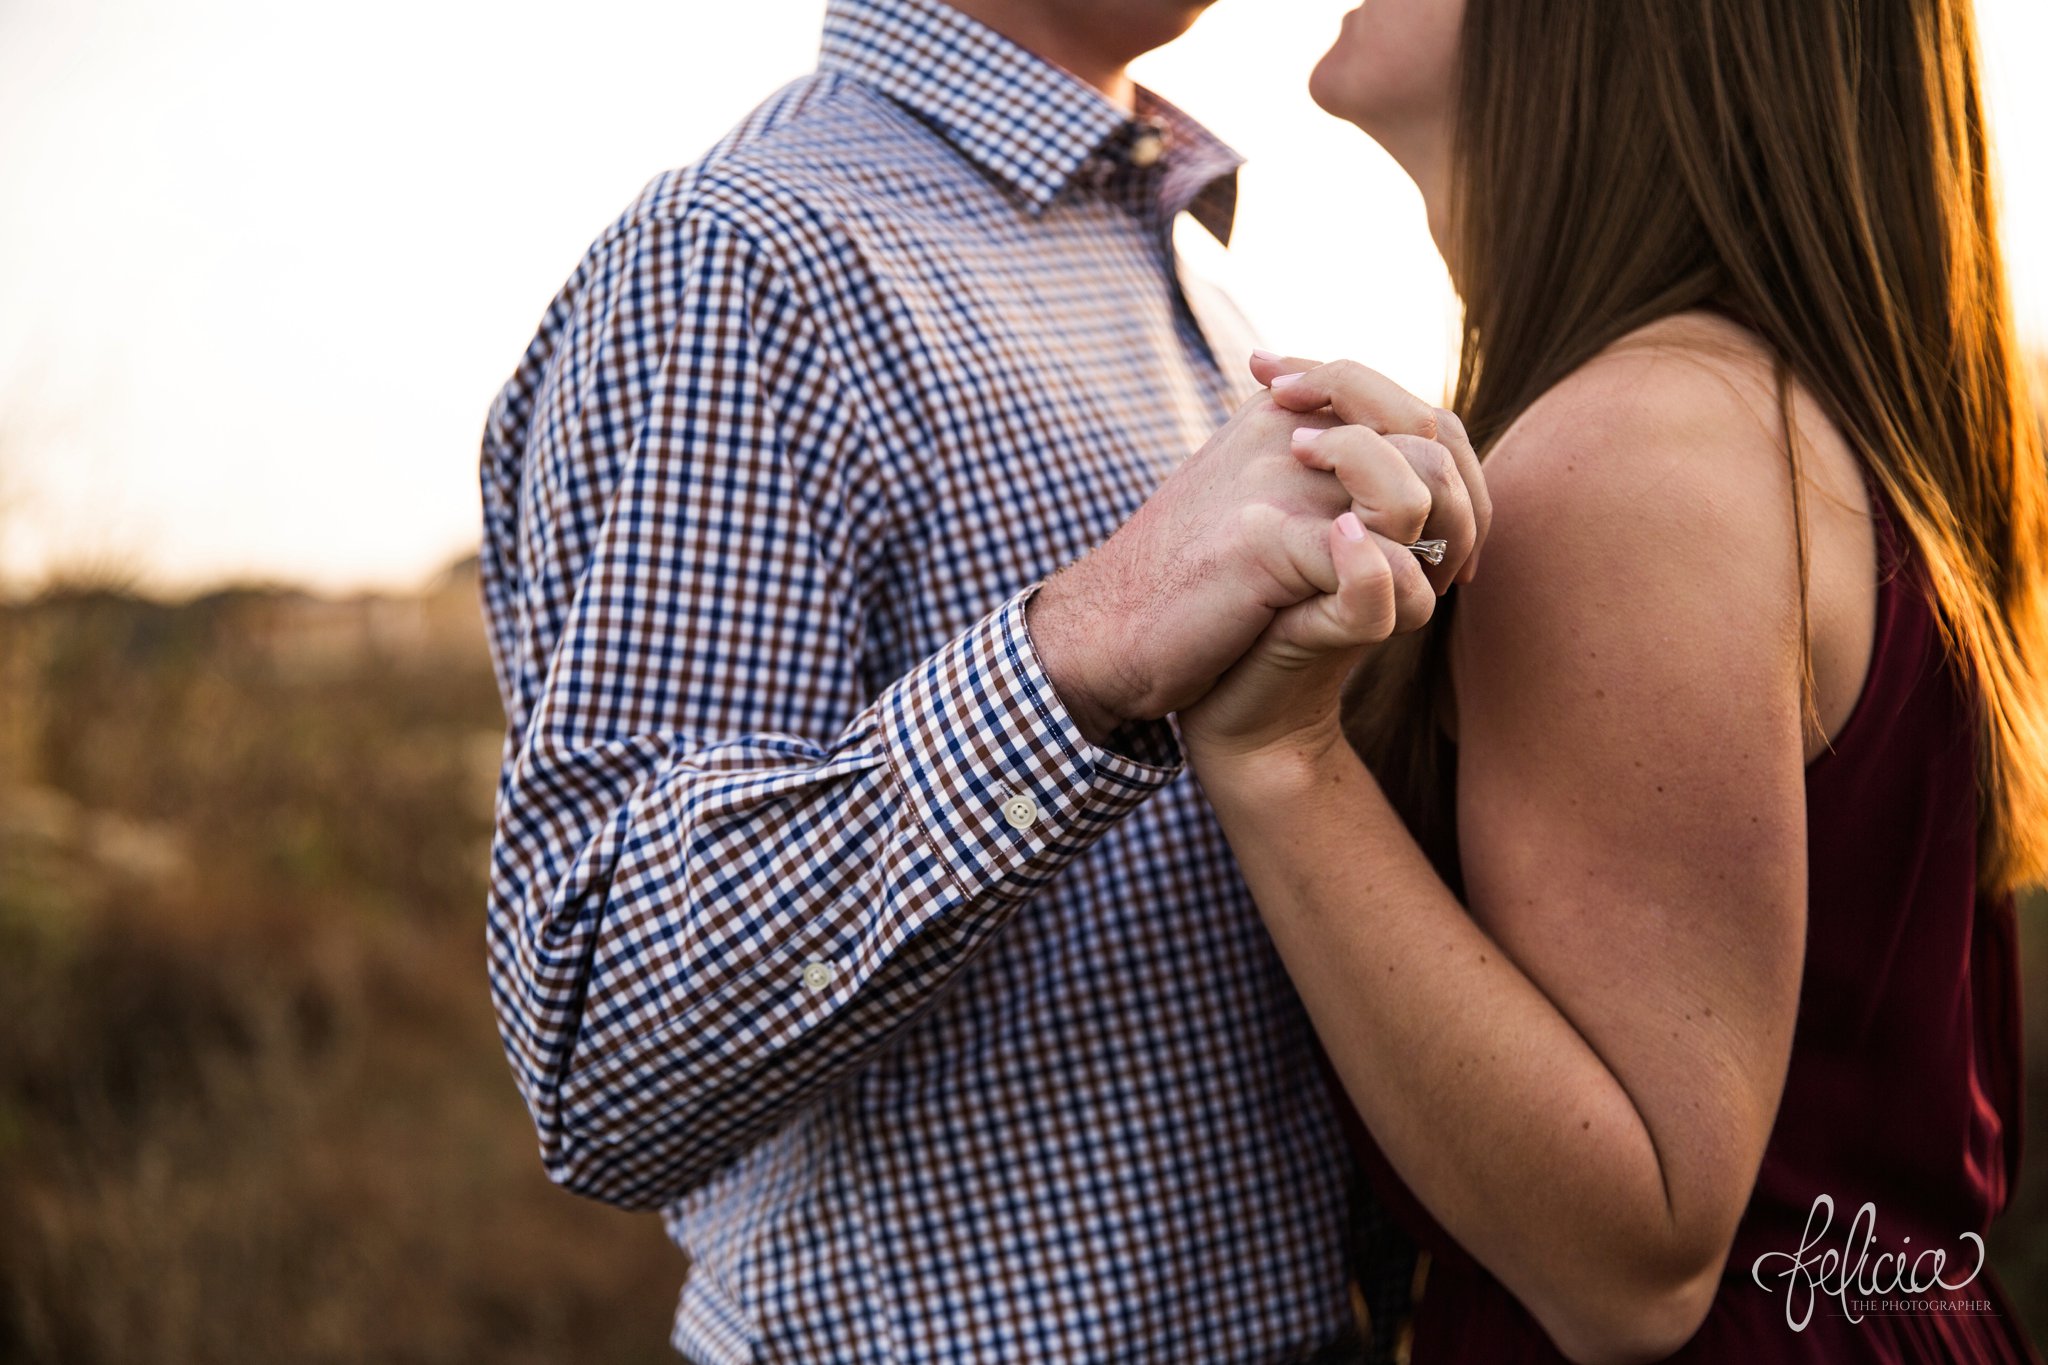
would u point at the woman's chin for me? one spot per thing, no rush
(1337, 91)
(1326, 85)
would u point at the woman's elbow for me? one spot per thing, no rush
(1635, 1324)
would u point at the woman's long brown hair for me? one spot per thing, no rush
(1818, 170)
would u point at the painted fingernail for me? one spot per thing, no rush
(1286, 381)
(1350, 525)
(1305, 435)
(1266, 356)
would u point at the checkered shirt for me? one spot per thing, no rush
(937, 1032)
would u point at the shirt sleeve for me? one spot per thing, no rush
(726, 869)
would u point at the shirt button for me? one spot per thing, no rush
(1021, 812)
(817, 975)
(1146, 149)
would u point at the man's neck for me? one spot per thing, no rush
(1032, 28)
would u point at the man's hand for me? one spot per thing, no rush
(1147, 621)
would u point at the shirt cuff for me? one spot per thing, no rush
(996, 771)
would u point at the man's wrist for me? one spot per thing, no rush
(996, 775)
(1063, 652)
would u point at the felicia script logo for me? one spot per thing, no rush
(1891, 1281)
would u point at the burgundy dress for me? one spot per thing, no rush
(1904, 1087)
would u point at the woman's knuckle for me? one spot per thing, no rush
(1368, 603)
(1440, 467)
(1347, 452)
(1370, 578)
(1383, 614)
(1414, 498)
(1344, 374)
(1430, 458)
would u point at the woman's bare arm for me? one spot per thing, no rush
(1579, 1075)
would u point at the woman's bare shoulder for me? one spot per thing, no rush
(1666, 438)
(1690, 383)
(1680, 421)
(1643, 502)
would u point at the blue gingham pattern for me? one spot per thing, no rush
(910, 1080)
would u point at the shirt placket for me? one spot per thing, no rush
(1133, 167)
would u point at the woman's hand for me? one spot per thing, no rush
(1447, 492)
(1281, 699)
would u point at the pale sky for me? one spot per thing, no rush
(263, 266)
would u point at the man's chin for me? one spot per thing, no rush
(1179, 18)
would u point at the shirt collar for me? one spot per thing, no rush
(1019, 117)
(1200, 168)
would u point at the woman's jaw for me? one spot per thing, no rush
(1393, 73)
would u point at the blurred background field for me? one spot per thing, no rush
(252, 1106)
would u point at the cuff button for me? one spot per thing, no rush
(1021, 812)
(817, 975)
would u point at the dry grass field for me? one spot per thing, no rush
(252, 1106)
